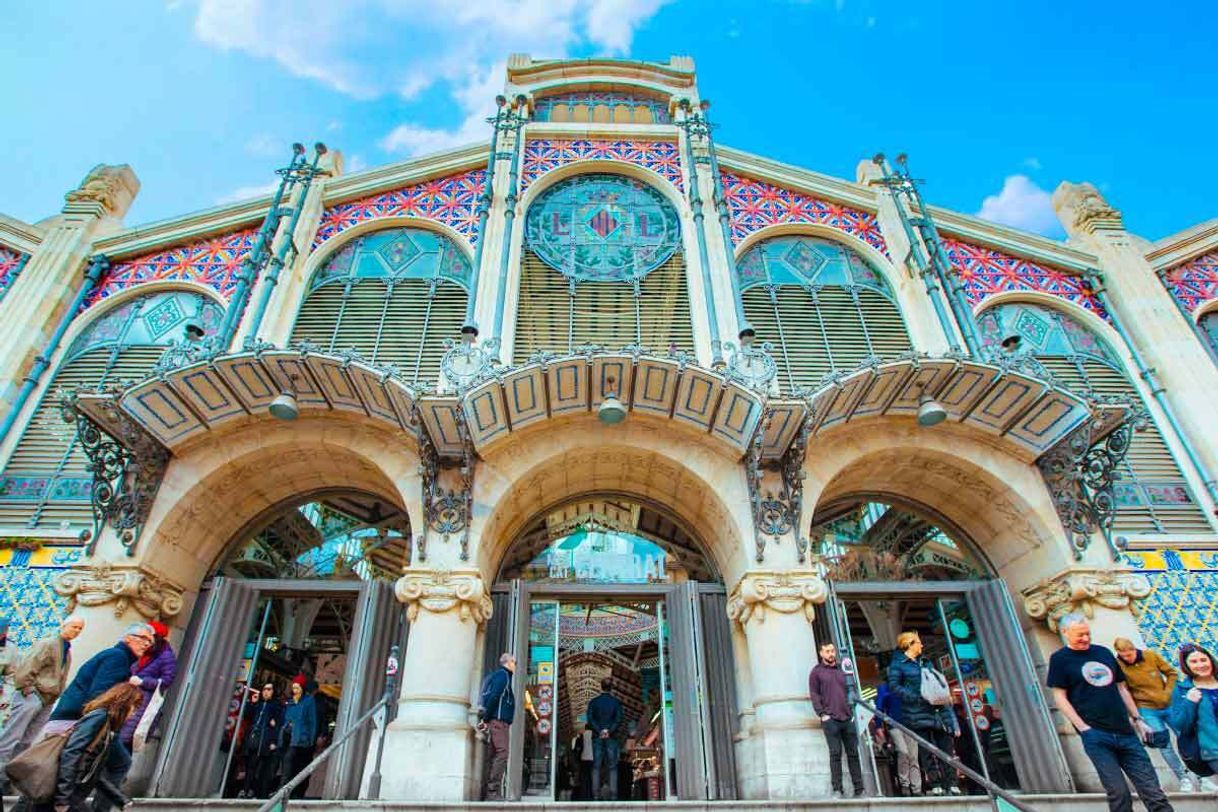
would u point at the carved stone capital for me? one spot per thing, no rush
(1082, 589)
(1082, 208)
(440, 591)
(762, 591)
(106, 190)
(124, 585)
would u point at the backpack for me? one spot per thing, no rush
(934, 687)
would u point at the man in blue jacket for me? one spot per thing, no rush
(605, 717)
(496, 710)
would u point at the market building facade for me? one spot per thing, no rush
(620, 400)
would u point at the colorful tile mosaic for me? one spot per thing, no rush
(755, 204)
(543, 154)
(12, 262)
(451, 200)
(1183, 603)
(1195, 282)
(212, 262)
(28, 600)
(986, 271)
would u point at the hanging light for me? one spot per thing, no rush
(930, 411)
(611, 411)
(194, 329)
(1011, 341)
(284, 407)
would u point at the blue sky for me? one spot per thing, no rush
(994, 102)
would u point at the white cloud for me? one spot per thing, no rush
(265, 145)
(366, 48)
(355, 163)
(1021, 204)
(1032, 164)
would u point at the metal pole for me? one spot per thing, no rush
(253, 262)
(968, 715)
(1157, 390)
(512, 121)
(928, 274)
(689, 124)
(391, 686)
(228, 762)
(289, 244)
(484, 210)
(98, 265)
(725, 219)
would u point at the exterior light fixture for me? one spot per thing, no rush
(469, 333)
(284, 407)
(930, 411)
(1011, 341)
(611, 411)
(194, 330)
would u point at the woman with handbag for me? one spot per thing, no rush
(926, 708)
(1193, 712)
(152, 673)
(59, 773)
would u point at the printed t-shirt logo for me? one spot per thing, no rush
(1097, 674)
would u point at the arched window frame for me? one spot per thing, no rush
(843, 268)
(1076, 340)
(365, 257)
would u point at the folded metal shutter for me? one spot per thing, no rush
(720, 690)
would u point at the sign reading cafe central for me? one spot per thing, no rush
(603, 228)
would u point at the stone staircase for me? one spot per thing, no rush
(1192, 802)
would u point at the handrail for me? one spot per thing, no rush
(990, 786)
(279, 801)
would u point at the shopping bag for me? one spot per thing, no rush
(33, 773)
(146, 721)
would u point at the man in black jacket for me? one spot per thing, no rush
(261, 745)
(497, 709)
(605, 716)
(829, 688)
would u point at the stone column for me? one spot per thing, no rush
(1146, 310)
(1107, 597)
(429, 748)
(52, 274)
(111, 596)
(788, 757)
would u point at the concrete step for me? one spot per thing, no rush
(1192, 802)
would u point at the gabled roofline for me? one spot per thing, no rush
(782, 174)
(1182, 246)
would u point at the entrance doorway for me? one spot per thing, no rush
(896, 567)
(606, 589)
(304, 598)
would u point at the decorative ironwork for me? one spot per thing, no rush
(127, 470)
(751, 364)
(612, 100)
(447, 510)
(777, 513)
(1081, 476)
(602, 228)
(466, 364)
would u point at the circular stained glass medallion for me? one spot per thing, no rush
(603, 228)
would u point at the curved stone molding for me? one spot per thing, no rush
(1081, 589)
(126, 586)
(441, 591)
(762, 591)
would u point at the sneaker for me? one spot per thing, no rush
(859, 792)
(954, 790)
(1208, 785)
(937, 791)
(1187, 785)
(836, 795)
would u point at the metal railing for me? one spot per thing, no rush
(992, 789)
(279, 801)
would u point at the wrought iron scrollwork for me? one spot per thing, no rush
(447, 510)
(1081, 475)
(127, 471)
(777, 513)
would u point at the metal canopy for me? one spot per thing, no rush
(178, 405)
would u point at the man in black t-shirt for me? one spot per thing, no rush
(1089, 689)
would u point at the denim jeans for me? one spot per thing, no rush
(1156, 720)
(604, 755)
(1116, 755)
(842, 738)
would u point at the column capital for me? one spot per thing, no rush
(127, 586)
(440, 591)
(1083, 589)
(788, 592)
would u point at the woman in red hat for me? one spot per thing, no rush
(156, 669)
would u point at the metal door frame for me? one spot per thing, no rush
(938, 590)
(263, 588)
(524, 592)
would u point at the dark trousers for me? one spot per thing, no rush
(935, 771)
(499, 760)
(260, 770)
(118, 764)
(1116, 755)
(841, 736)
(298, 759)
